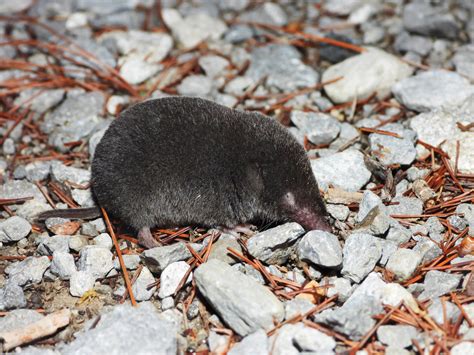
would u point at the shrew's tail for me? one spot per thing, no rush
(72, 213)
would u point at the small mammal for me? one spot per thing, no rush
(179, 161)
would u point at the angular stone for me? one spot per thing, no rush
(437, 283)
(157, 259)
(273, 245)
(403, 263)
(240, 301)
(356, 265)
(63, 265)
(321, 248)
(319, 128)
(15, 228)
(397, 335)
(171, 277)
(28, 271)
(394, 150)
(255, 343)
(140, 287)
(95, 260)
(80, 282)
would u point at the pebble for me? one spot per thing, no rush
(320, 248)
(28, 271)
(345, 170)
(140, 287)
(147, 331)
(339, 212)
(403, 263)
(213, 65)
(11, 297)
(406, 205)
(55, 243)
(356, 265)
(74, 119)
(103, 240)
(167, 303)
(15, 228)
(78, 242)
(19, 318)
(268, 13)
(340, 286)
(437, 311)
(80, 282)
(95, 260)
(297, 306)
(83, 197)
(394, 150)
(63, 265)
(63, 173)
(433, 89)
(244, 304)
(397, 335)
(272, 246)
(367, 204)
(319, 128)
(238, 85)
(40, 100)
(21, 189)
(157, 259)
(417, 44)
(388, 249)
(93, 228)
(131, 261)
(195, 85)
(282, 67)
(9, 146)
(437, 283)
(195, 28)
(463, 60)
(430, 20)
(38, 170)
(255, 343)
(171, 277)
(427, 249)
(372, 71)
(219, 249)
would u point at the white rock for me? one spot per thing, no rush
(80, 283)
(140, 287)
(371, 71)
(171, 277)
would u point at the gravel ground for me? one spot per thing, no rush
(379, 92)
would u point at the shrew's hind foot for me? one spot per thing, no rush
(247, 229)
(145, 238)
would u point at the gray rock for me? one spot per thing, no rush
(373, 71)
(83, 197)
(11, 297)
(403, 263)
(157, 259)
(413, 173)
(103, 240)
(167, 303)
(131, 261)
(433, 89)
(95, 260)
(388, 249)
(250, 271)
(40, 100)
(345, 170)
(273, 245)
(457, 222)
(147, 333)
(438, 283)
(18, 319)
(319, 128)
(464, 61)
(368, 203)
(393, 150)
(268, 13)
(309, 339)
(376, 222)
(15, 228)
(282, 67)
(417, 44)
(397, 335)
(195, 85)
(219, 249)
(193, 29)
(255, 343)
(297, 306)
(140, 287)
(356, 265)
(77, 242)
(37, 170)
(28, 271)
(80, 282)
(430, 20)
(63, 265)
(20, 189)
(321, 248)
(171, 277)
(239, 33)
(340, 286)
(435, 310)
(51, 223)
(93, 228)
(9, 146)
(427, 249)
(213, 65)
(63, 173)
(74, 119)
(353, 320)
(240, 301)
(467, 212)
(339, 212)
(55, 243)
(405, 206)
(94, 140)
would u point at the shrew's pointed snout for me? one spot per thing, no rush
(311, 220)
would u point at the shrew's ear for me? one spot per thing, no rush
(254, 177)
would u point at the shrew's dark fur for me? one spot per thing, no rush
(187, 161)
